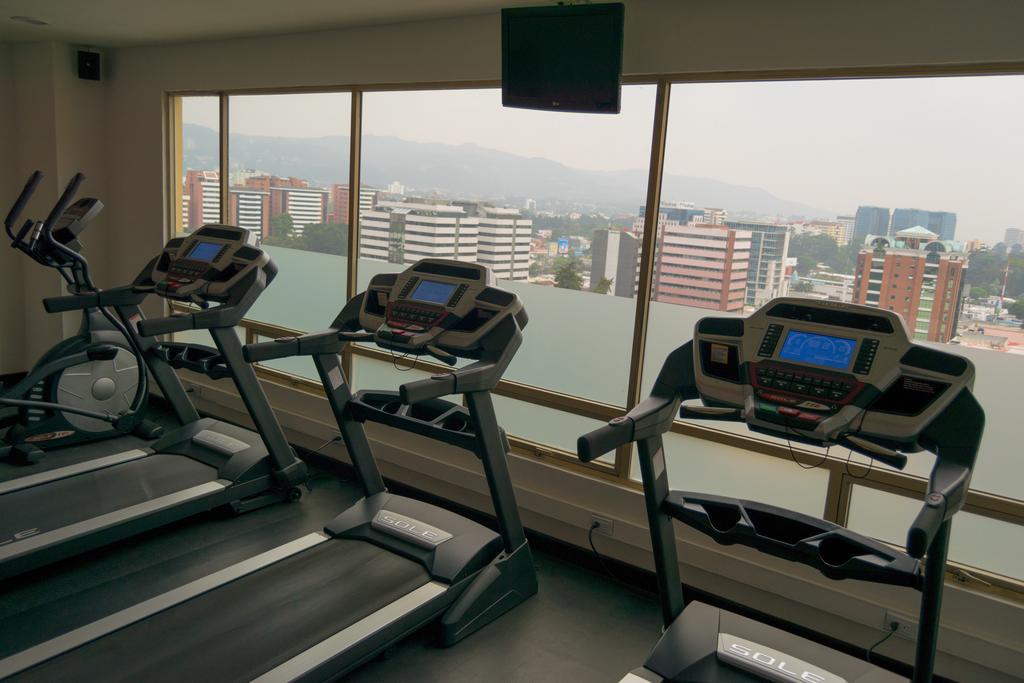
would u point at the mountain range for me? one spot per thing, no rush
(473, 172)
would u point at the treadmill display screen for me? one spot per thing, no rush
(433, 292)
(204, 251)
(818, 349)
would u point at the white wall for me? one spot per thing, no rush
(11, 311)
(116, 129)
(53, 123)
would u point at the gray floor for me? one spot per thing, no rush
(582, 626)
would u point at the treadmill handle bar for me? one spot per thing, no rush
(651, 417)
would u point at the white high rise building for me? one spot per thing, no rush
(504, 242)
(403, 232)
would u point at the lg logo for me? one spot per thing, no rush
(20, 536)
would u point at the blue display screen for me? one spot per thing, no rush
(818, 349)
(433, 292)
(205, 251)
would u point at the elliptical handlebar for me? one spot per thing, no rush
(19, 205)
(62, 203)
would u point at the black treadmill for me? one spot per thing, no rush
(205, 463)
(316, 607)
(821, 373)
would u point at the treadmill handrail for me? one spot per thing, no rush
(116, 296)
(331, 340)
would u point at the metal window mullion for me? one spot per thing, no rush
(355, 155)
(225, 204)
(643, 296)
(176, 221)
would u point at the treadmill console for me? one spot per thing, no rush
(205, 265)
(450, 305)
(816, 371)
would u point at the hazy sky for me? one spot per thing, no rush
(948, 144)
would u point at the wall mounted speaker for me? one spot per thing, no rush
(88, 65)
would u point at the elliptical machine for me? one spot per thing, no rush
(90, 386)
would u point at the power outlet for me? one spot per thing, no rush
(602, 525)
(905, 626)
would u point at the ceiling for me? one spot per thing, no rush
(109, 23)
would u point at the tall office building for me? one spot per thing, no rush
(615, 255)
(870, 220)
(848, 223)
(942, 223)
(338, 207)
(915, 274)
(250, 209)
(715, 216)
(306, 205)
(200, 199)
(1014, 236)
(704, 266)
(403, 232)
(503, 242)
(769, 248)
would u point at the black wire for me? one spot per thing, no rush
(849, 455)
(792, 453)
(893, 627)
(607, 569)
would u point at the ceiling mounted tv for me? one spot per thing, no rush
(562, 57)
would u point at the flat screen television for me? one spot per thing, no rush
(562, 57)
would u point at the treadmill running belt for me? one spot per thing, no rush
(65, 501)
(249, 626)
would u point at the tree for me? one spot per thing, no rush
(282, 229)
(985, 269)
(979, 293)
(603, 286)
(803, 286)
(535, 268)
(567, 274)
(325, 238)
(1017, 308)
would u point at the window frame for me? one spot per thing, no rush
(842, 475)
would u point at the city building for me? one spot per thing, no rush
(848, 223)
(503, 242)
(250, 209)
(715, 216)
(915, 274)
(942, 223)
(396, 187)
(304, 204)
(339, 196)
(200, 199)
(704, 266)
(403, 232)
(870, 220)
(1014, 236)
(825, 286)
(972, 246)
(769, 248)
(615, 255)
(834, 229)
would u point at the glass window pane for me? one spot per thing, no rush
(370, 373)
(544, 425)
(772, 189)
(289, 176)
(527, 193)
(990, 544)
(707, 467)
(199, 137)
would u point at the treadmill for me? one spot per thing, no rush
(315, 608)
(821, 373)
(202, 465)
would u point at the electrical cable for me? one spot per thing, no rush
(607, 569)
(893, 627)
